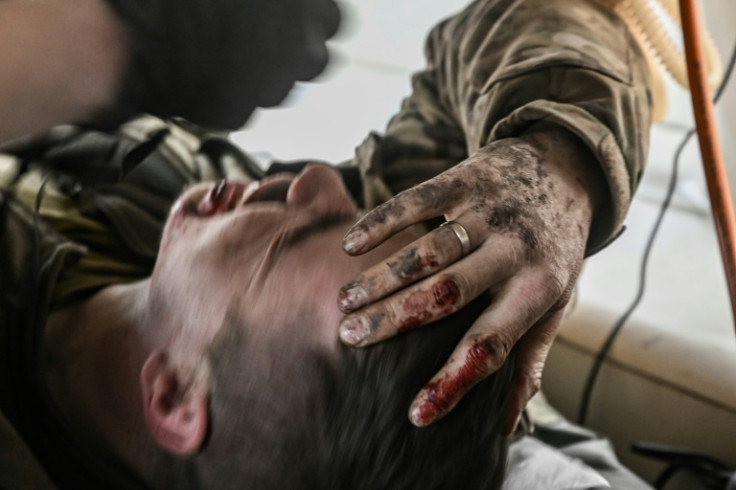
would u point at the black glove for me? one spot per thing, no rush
(213, 62)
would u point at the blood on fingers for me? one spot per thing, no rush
(442, 394)
(412, 264)
(422, 306)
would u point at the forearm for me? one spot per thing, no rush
(61, 63)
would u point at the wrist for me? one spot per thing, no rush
(570, 160)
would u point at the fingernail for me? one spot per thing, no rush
(354, 330)
(423, 412)
(352, 297)
(354, 241)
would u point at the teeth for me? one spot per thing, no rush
(227, 196)
(213, 202)
(220, 189)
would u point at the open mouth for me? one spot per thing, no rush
(228, 195)
(223, 197)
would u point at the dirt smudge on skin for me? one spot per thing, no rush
(412, 265)
(439, 195)
(393, 208)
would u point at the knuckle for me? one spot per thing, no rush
(553, 284)
(385, 214)
(425, 303)
(375, 319)
(394, 315)
(531, 382)
(439, 193)
(566, 295)
(546, 338)
(486, 353)
(465, 286)
(548, 293)
(447, 293)
(428, 193)
(535, 387)
(412, 264)
(380, 281)
(429, 256)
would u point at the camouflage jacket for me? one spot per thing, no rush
(499, 66)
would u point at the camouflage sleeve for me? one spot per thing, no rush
(499, 66)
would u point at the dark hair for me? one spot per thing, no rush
(286, 415)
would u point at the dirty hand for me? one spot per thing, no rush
(526, 205)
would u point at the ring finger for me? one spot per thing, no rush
(423, 257)
(431, 299)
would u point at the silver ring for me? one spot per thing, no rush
(462, 234)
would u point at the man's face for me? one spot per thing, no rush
(269, 251)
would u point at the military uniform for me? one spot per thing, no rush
(492, 70)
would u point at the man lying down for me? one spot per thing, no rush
(223, 368)
(228, 357)
(207, 355)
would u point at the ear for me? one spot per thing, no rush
(176, 412)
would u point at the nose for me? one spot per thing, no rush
(320, 188)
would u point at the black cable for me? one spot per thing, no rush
(607, 344)
(710, 472)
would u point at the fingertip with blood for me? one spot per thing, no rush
(441, 394)
(351, 297)
(436, 399)
(354, 330)
(423, 412)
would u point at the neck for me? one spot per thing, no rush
(93, 354)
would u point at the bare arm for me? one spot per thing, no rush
(61, 63)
